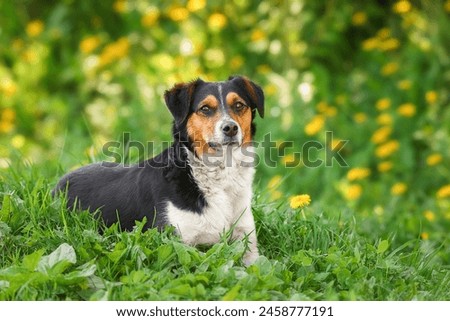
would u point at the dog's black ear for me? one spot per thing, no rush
(254, 92)
(179, 98)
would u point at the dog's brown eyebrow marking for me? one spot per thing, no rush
(209, 101)
(233, 97)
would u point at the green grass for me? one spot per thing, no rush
(50, 253)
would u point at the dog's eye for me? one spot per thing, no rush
(239, 106)
(205, 109)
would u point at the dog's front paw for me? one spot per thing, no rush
(250, 257)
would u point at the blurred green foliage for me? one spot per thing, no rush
(76, 74)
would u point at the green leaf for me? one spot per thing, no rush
(182, 253)
(5, 211)
(232, 294)
(31, 261)
(383, 246)
(58, 260)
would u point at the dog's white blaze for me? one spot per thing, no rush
(228, 193)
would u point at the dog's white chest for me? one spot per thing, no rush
(228, 194)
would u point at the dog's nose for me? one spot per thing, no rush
(230, 129)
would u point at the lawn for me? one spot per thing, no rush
(357, 117)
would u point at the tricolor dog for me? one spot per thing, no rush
(201, 184)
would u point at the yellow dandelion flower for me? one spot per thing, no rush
(331, 111)
(263, 69)
(257, 35)
(178, 14)
(315, 125)
(406, 110)
(431, 97)
(387, 149)
(300, 201)
(35, 28)
(443, 192)
(385, 166)
(275, 195)
(8, 115)
(398, 189)
(384, 33)
(370, 44)
(353, 192)
(358, 173)
(383, 103)
(447, 6)
(434, 159)
(389, 68)
(18, 141)
(8, 87)
(424, 236)
(322, 106)
(150, 17)
(359, 18)
(289, 160)
(381, 135)
(120, 6)
(336, 143)
(217, 21)
(384, 119)
(402, 6)
(429, 215)
(404, 84)
(236, 63)
(114, 51)
(389, 44)
(270, 89)
(89, 44)
(360, 118)
(195, 5)
(274, 182)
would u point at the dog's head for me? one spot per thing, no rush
(214, 114)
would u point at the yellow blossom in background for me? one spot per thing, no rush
(387, 149)
(120, 6)
(115, 51)
(425, 236)
(385, 166)
(322, 106)
(359, 18)
(431, 97)
(289, 160)
(447, 6)
(402, 6)
(274, 182)
(406, 110)
(434, 159)
(35, 28)
(7, 119)
(370, 44)
(330, 111)
(353, 192)
(381, 135)
(360, 118)
(178, 13)
(8, 87)
(195, 5)
(358, 173)
(18, 141)
(404, 84)
(315, 125)
(389, 44)
(398, 189)
(300, 201)
(384, 119)
(257, 35)
(389, 68)
(384, 33)
(236, 63)
(383, 104)
(443, 192)
(336, 143)
(150, 18)
(263, 69)
(429, 215)
(217, 21)
(275, 195)
(89, 44)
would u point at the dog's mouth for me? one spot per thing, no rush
(216, 145)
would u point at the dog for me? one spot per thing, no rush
(201, 184)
